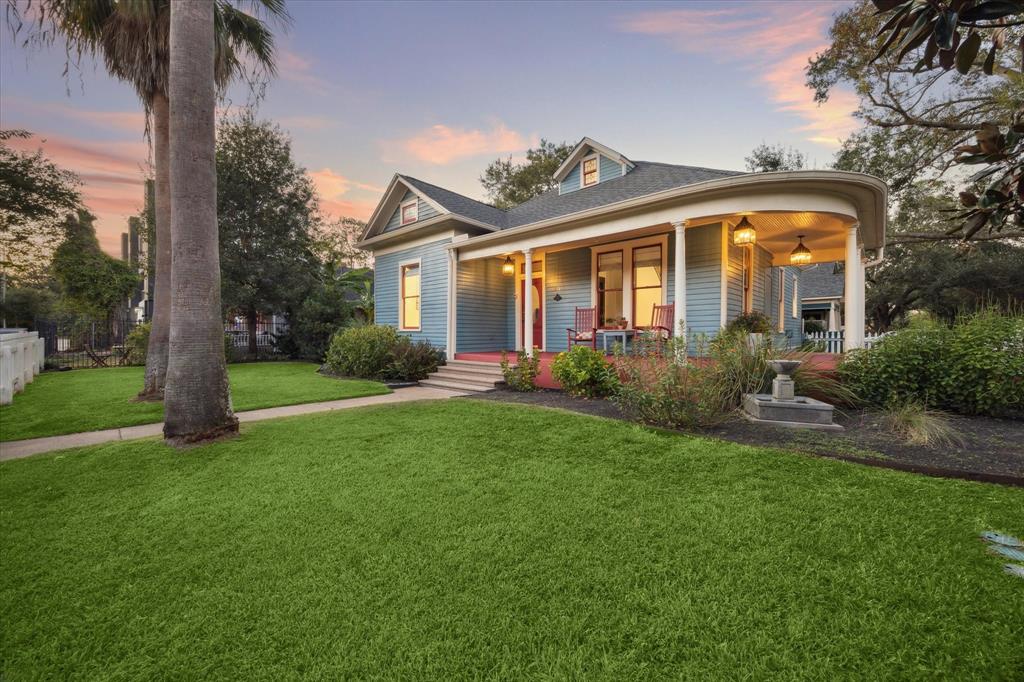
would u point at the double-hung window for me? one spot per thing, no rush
(647, 283)
(609, 288)
(410, 295)
(590, 171)
(410, 211)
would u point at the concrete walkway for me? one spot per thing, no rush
(23, 448)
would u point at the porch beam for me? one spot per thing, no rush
(679, 293)
(528, 302)
(853, 332)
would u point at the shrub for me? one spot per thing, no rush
(379, 352)
(974, 367)
(813, 327)
(751, 323)
(920, 425)
(670, 390)
(363, 351)
(136, 344)
(584, 372)
(522, 376)
(411, 361)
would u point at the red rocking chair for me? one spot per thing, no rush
(662, 322)
(585, 329)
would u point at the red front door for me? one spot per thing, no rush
(537, 301)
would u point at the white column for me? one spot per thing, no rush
(853, 333)
(528, 302)
(453, 286)
(680, 276)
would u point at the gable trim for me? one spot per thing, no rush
(391, 201)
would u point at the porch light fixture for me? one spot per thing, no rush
(801, 255)
(744, 233)
(508, 267)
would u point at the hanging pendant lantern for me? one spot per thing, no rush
(801, 255)
(508, 267)
(744, 233)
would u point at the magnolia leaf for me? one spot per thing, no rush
(930, 50)
(968, 199)
(993, 9)
(973, 224)
(886, 5)
(990, 61)
(968, 52)
(945, 29)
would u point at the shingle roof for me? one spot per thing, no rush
(822, 280)
(646, 178)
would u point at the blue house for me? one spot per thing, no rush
(620, 236)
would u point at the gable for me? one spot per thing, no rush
(608, 169)
(424, 211)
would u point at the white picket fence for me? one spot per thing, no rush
(21, 359)
(833, 341)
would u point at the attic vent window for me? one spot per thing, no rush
(590, 171)
(409, 212)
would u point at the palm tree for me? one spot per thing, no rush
(197, 400)
(132, 37)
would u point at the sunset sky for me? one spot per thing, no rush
(437, 91)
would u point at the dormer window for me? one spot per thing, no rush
(591, 172)
(410, 211)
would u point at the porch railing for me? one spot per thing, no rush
(832, 342)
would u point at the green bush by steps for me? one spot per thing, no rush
(380, 352)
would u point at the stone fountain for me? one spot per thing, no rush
(783, 407)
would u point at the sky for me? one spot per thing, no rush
(438, 90)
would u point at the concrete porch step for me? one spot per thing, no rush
(467, 374)
(476, 365)
(457, 385)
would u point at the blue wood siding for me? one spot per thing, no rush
(567, 273)
(483, 307)
(762, 277)
(423, 212)
(433, 290)
(703, 277)
(792, 328)
(734, 288)
(609, 170)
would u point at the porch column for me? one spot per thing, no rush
(528, 302)
(453, 292)
(853, 332)
(680, 276)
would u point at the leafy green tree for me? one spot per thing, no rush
(35, 195)
(267, 216)
(90, 281)
(923, 77)
(765, 158)
(508, 184)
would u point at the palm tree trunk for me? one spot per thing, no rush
(159, 334)
(197, 399)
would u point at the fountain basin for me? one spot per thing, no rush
(800, 412)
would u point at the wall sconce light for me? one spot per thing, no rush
(508, 267)
(557, 297)
(801, 255)
(744, 233)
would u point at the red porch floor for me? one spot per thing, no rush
(825, 361)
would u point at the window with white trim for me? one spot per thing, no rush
(796, 299)
(410, 211)
(409, 274)
(590, 172)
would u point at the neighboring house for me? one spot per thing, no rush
(821, 294)
(620, 235)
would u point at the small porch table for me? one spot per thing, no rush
(623, 334)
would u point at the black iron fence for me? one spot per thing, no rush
(82, 343)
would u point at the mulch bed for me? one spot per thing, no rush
(992, 449)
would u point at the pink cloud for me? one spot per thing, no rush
(113, 175)
(333, 188)
(441, 144)
(294, 67)
(774, 39)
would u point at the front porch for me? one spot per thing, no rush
(825, 361)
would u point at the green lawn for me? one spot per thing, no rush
(465, 539)
(92, 399)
